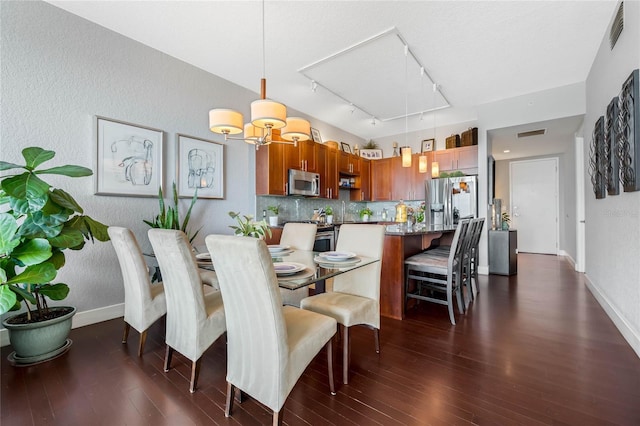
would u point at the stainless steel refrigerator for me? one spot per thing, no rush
(450, 199)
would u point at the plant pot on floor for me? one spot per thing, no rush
(39, 341)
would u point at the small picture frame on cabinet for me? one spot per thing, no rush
(345, 147)
(315, 135)
(428, 145)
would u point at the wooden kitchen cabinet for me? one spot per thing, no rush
(381, 179)
(408, 182)
(365, 180)
(272, 169)
(308, 156)
(348, 164)
(457, 158)
(327, 159)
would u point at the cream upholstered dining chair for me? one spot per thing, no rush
(439, 271)
(355, 299)
(144, 303)
(298, 236)
(268, 345)
(195, 319)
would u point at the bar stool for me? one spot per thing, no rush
(437, 273)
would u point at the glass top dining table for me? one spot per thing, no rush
(310, 267)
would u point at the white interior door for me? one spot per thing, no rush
(534, 204)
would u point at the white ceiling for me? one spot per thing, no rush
(476, 51)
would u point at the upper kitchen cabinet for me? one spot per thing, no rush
(408, 182)
(308, 156)
(348, 164)
(272, 167)
(327, 160)
(464, 158)
(381, 179)
(365, 179)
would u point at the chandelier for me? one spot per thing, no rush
(266, 115)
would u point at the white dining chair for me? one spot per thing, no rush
(298, 236)
(144, 302)
(195, 319)
(268, 345)
(355, 298)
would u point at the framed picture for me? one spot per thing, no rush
(128, 158)
(629, 133)
(200, 166)
(428, 145)
(372, 154)
(345, 147)
(315, 135)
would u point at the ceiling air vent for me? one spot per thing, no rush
(616, 26)
(532, 133)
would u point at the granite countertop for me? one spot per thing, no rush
(433, 229)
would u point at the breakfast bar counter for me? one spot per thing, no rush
(399, 245)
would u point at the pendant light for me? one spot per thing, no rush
(266, 115)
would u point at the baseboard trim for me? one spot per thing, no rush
(630, 335)
(483, 270)
(81, 319)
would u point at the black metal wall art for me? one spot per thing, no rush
(611, 148)
(629, 133)
(598, 160)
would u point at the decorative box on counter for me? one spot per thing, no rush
(469, 137)
(453, 141)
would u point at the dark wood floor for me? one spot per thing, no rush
(535, 348)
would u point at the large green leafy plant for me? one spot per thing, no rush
(169, 217)
(37, 223)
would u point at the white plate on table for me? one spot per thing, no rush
(203, 256)
(275, 248)
(288, 268)
(337, 256)
(323, 261)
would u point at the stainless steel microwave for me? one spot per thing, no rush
(303, 183)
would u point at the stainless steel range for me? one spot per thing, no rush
(325, 236)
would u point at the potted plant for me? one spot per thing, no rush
(38, 223)
(169, 218)
(273, 219)
(506, 220)
(249, 227)
(328, 211)
(365, 214)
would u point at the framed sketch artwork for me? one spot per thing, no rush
(428, 145)
(371, 154)
(315, 135)
(345, 147)
(128, 158)
(200, 166)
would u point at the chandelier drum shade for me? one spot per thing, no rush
(266, 115)
(225, 121)
(296, 129)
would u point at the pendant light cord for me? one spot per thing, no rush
(264, 54)
(406, 95)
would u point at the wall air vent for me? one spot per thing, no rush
(532, 133)
(616, 26)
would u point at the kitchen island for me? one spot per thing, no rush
(399, 245)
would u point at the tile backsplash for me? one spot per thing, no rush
(301, 208)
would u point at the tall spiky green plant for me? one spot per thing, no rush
(169, 217)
